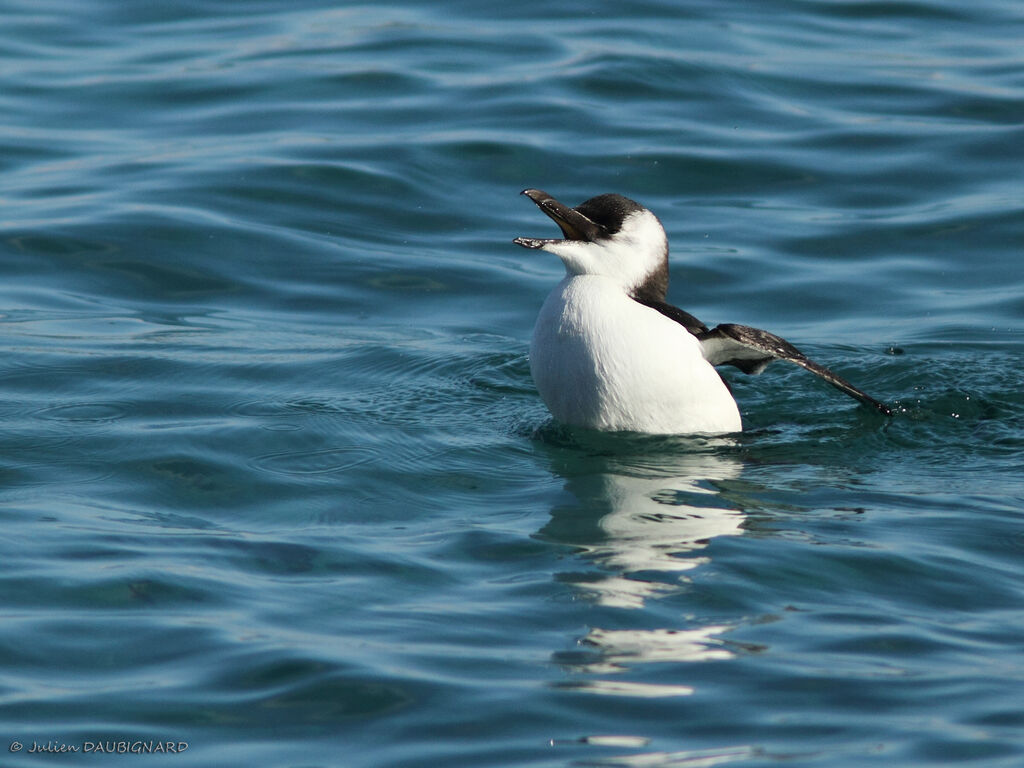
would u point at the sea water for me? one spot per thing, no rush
(277, 488)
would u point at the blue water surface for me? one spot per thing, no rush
(275, 482)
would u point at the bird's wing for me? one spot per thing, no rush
(685, 319)
(751, 349)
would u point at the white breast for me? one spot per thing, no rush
(603, 361)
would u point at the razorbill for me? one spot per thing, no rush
(609, 353)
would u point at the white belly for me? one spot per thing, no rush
(603, 361)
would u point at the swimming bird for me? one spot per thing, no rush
(609, 353)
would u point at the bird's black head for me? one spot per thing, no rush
(608, 235)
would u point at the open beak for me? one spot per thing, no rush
(574, 225)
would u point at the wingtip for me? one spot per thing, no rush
(866, 399)
(537, 195)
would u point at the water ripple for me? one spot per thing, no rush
(320, 462)
(96, 413)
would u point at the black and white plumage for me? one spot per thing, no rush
(608, 352)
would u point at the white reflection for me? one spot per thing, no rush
(644, 514)
(654, 514)
(705, 758)
(623, 592)
(635, 690)
(651, 524)
(625, 646)
(616, 741)
(618, 650)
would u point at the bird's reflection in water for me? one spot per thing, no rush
(642, 511)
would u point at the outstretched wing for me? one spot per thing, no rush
(751, 349)
(672, 312)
